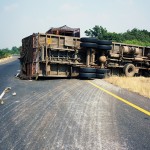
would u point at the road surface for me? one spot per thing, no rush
(71, 114)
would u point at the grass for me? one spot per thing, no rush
(140, 85)
(3, 59)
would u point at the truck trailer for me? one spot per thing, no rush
(60, 52)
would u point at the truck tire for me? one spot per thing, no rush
(100, 76)
(90, 40)
(104, 47)
(104, 42)
(102, 71)
(88, 45)
(87, 70)
(87, 75)
(129, 70)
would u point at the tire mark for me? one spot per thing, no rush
(18, 108)
(45, 112)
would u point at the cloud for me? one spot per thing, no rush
(11, 7)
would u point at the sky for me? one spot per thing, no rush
(21, 18)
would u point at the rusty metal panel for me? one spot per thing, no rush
(69, 41)
(49, 55)
(59, 41)
(35, 40)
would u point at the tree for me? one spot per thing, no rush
(15, 50)
(97, 31)
(134, 36)
(5, 52)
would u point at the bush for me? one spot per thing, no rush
(134, 36)
(8, 52)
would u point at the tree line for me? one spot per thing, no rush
(134, 36)
(5, 52)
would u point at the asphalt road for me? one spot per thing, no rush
(70, 114)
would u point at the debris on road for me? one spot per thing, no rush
(17, 75)
(3, 93)
(1, 102)
(14, 94)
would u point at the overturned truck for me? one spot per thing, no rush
(60, 52)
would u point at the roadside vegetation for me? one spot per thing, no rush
(134, 36)
(8, 52)
(140, 85)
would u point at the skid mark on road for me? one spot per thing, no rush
(121, 99)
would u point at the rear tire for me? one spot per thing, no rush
(102, 71)
(87, 75)
(90, 40)
(100, 76)
(104, 42)
(87, 70)
(88, 45)
(104, 47)
(129, 70)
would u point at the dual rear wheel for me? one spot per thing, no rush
(94, 43)
(94, 73)
(87, 73)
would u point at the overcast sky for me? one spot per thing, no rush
(20, 18)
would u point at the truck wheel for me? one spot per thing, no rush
(90, 40)
(87, 70)
(100, 76)
(104, 42)
(102, 71)
(104, 47)
(129, 70)
(88, 45)
(87, 75)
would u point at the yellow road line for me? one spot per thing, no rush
(121, 99)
